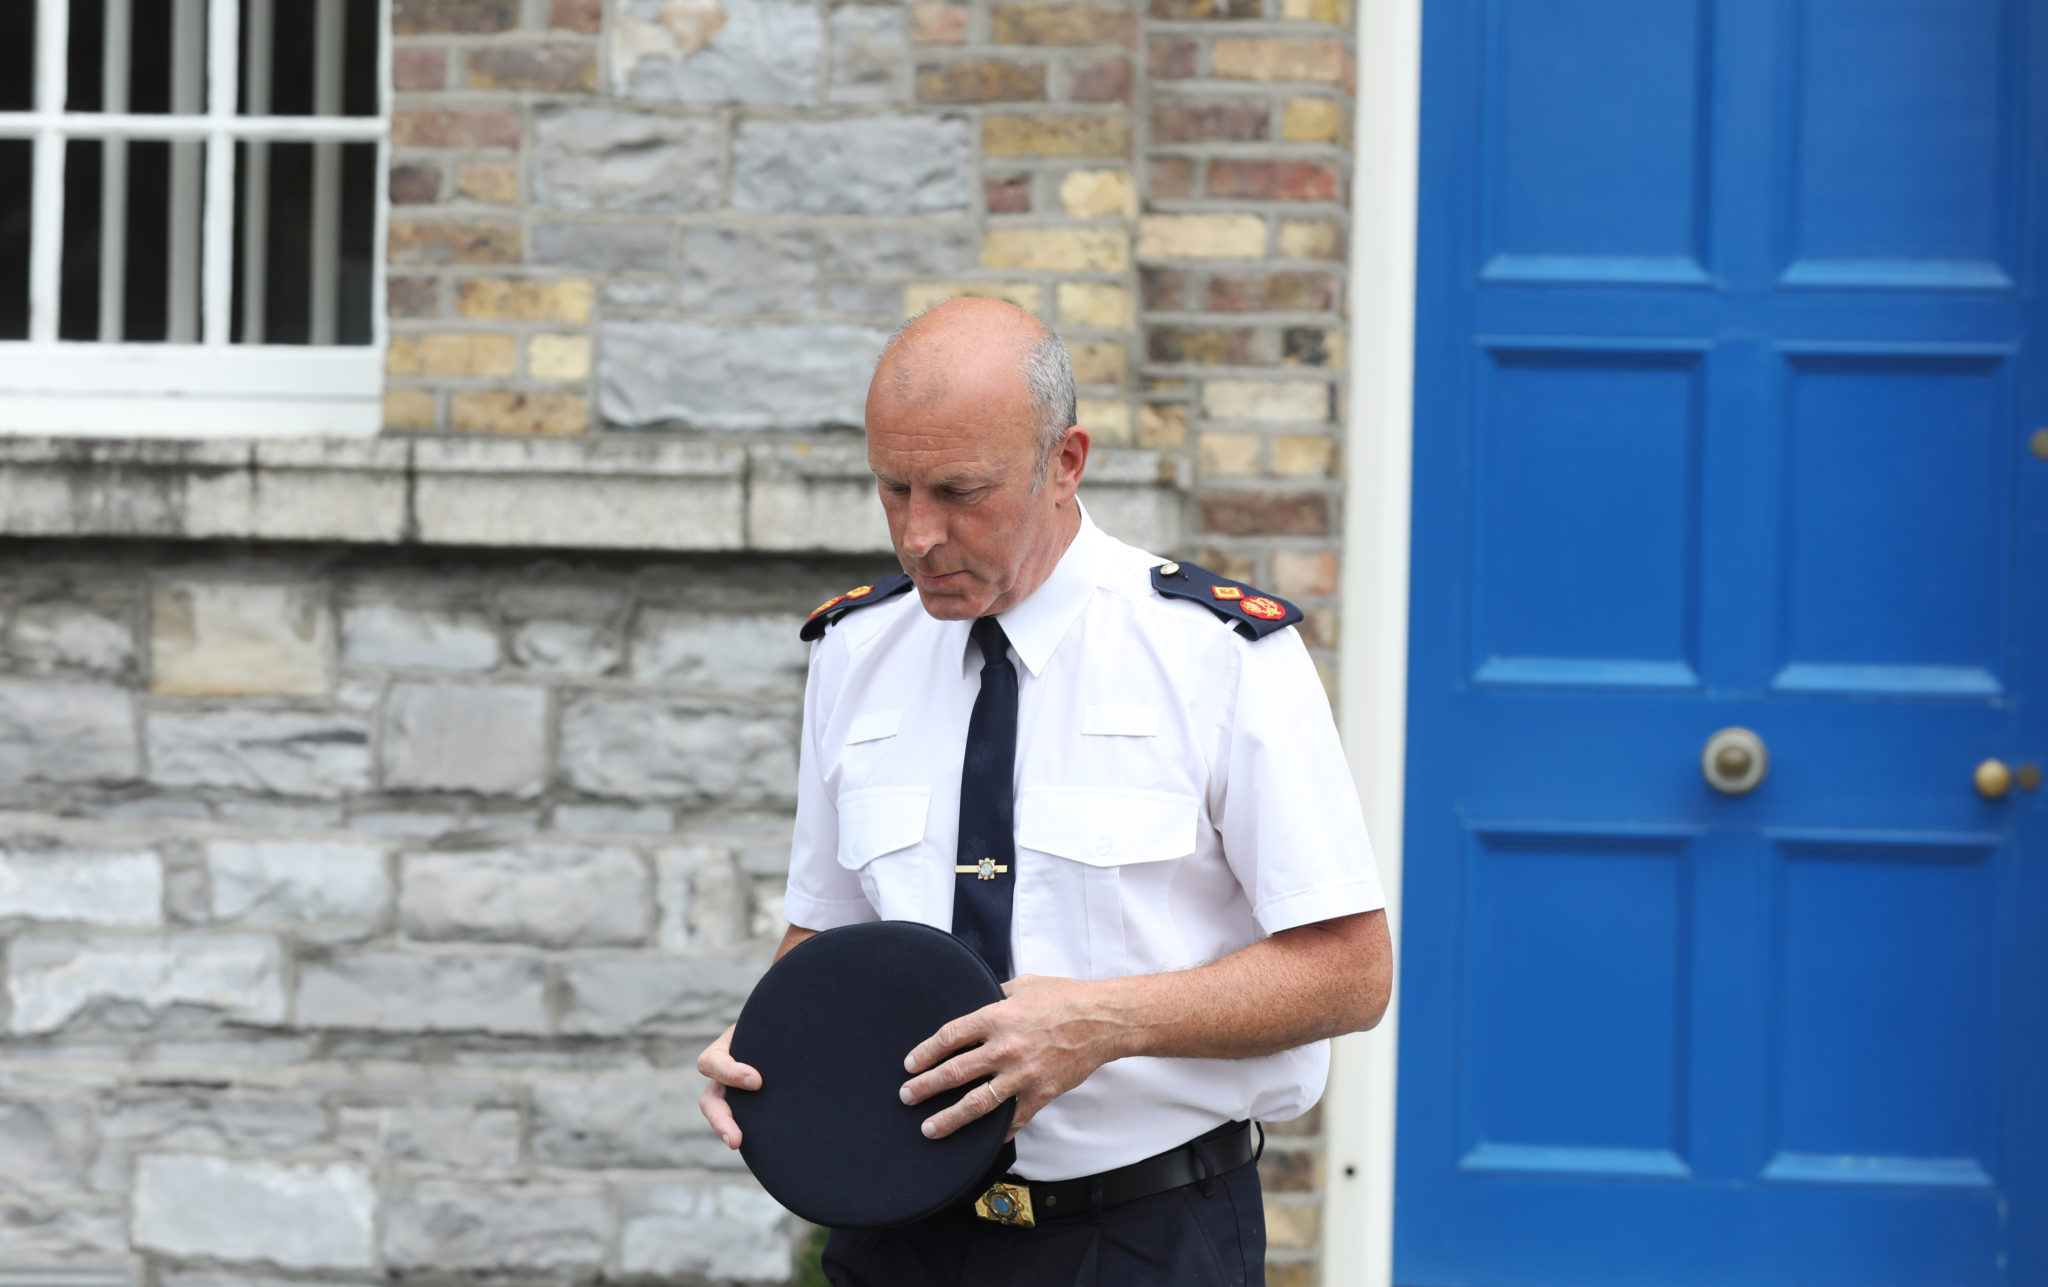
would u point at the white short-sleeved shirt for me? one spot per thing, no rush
(1180, 794)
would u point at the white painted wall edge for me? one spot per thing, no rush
(1358, 1194)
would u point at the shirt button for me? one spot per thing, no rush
(1102, 847)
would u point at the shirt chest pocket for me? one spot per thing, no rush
(881, 834)
(1121, 842)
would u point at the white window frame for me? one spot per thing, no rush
(210, 387)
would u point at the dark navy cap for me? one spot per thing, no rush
(828, 1027)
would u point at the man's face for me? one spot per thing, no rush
(955, 474)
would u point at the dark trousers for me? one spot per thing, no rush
(1180, 1238)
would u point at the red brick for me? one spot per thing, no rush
(453, 242)
(1201, 120)
(415, 185)
(1273, 180)
(546, 68)
(419, 69)
(986, 80)
(1299, 574)
(1199, 9)
(1172, 177)
(468, 127)
(458, 17)
(939, 24)
(414, 296)
(1207, 345)
(1107, 81)
(1230, 563)
(1164, 289)
(586, 16)
(1170, 59)
(1258, 292)
(1060, 24)
(1266, 513)
(1009, 195)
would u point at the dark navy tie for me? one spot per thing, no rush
(983, 878)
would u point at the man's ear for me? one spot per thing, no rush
(1068, 462)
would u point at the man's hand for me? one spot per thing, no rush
(718, 1064)
(1042, 1040)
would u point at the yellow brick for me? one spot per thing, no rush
(1312, 120)
(408, 409)
(1095, 304)
(1109, 422)
(1229, 453)
(1268, 400)
(1303, 455)
(1311, 239)
(496, 182)
(1090, 194)
(1290, 1225)
(1229, 236)
(919, 296)
(558, 357)
(1057, 250)
(452, 353)
(1337, 11)
(1100, 362)
(534, 413)
(1163, 425)
(1278, 60)
(565, 300)
(1055, 136)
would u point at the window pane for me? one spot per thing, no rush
(146, 56)
(78, 305)
(17, 169)
(321, 57)
(288, 255)
(17, 57)
(139, 279)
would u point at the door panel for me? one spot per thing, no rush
(1729, 329)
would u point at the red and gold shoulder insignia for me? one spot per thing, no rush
(860, 596)
(1250, 611)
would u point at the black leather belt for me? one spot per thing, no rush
(1013, 1200)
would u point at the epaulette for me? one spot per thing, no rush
(1254, 613)
(859, 596)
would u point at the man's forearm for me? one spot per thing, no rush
(1298, 986)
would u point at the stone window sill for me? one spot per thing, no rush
(603, 492)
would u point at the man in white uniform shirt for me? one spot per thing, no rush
(1194, 909)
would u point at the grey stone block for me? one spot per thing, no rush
(63, 731)
(635, 293)
(487, 738)
(703, 900)
(33, 1232)
(566, 647)
(867, 165)
(286, 752)
(870, 54)
(63, 634)
(55, 979)
(90, 888)
(603, 246)
(745, 377)
(44, 1147)
(725, 1231)
(633, 1121)
(212, 1123)
(734, 51)
(880, 300)
(408, 992)
(756, 654)
(596, 158)
(550, 896)
(732, 270)
(281, 881)
(409, 638)
(297, 1215)
(662, 996)
(463, 1135)
(612, 820)
(222, 639)
(638, 748)
(509, 1228)
(921, 251)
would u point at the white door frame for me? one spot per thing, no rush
(1358, 1191)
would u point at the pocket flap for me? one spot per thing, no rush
(1107, 826)
(880, 820)
(1120, 721)
(872, 726)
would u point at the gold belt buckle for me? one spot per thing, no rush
(1006, 1204)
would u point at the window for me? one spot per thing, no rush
(192, 215)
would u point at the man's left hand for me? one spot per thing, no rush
(1043, 1039)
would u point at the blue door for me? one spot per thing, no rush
(1730, 412)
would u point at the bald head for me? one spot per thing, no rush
(1002, 352)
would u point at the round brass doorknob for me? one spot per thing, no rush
(1734, 761)
(1993, 779)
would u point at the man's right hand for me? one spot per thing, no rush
(718, 1064)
